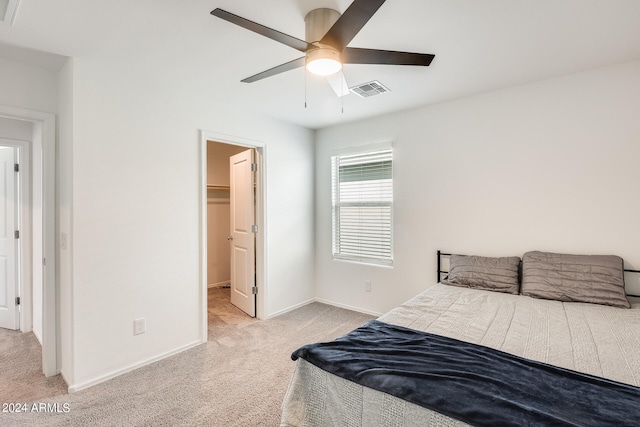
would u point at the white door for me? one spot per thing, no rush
(243, 266)
(9, 315)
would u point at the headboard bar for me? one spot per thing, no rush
(440, 255)
(440, 270)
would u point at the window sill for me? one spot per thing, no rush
(363, 262)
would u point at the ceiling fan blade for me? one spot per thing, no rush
(296, 63)
(283, 38)
(338, 83)
(352, 55)
(350, 23)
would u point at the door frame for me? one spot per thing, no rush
(43, 170)
(261, 236)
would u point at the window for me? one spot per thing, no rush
(362, 205)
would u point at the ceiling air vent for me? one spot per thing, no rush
(8, 9)
(367, 90)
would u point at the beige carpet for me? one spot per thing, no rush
(237, 379)
(21, 376)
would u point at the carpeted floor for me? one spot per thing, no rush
(21, 376)
(237, 379)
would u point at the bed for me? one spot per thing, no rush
(566, 314)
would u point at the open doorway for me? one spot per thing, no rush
(232, 223)
(20, 301)
(36, 217)
(221, 202)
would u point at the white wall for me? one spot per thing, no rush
(135, 214)
(16, 129)
(552, 165)
(27, 86)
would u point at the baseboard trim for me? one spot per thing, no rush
(293, 307)
(219, 284)
(348, 307)
(324, 301)
(84, 385)
(64, 378)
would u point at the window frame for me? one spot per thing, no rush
(338, 253)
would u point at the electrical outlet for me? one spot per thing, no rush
(139, 326)
(367, 285)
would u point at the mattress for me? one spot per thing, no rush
(589, 338)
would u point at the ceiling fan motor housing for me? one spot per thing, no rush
(318, 22)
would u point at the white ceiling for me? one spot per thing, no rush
(480, 45)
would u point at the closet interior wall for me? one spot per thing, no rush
(218, 251)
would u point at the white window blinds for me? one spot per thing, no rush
(362, 204)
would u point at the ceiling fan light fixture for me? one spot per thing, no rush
(324, 61)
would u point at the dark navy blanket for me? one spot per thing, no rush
(478, 385)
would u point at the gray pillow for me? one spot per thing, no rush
(597, 279)
(489, 274)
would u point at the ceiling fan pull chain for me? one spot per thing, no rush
(342, 87)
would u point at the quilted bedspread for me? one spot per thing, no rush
(597, 340)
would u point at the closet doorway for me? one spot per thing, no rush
(233, 200)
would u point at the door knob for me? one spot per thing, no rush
(229, 237)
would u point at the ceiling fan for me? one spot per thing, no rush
(328, 33)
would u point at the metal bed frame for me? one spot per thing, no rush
(443, 254)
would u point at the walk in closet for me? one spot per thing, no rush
(218, 252)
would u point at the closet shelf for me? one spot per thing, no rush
(218, 187)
